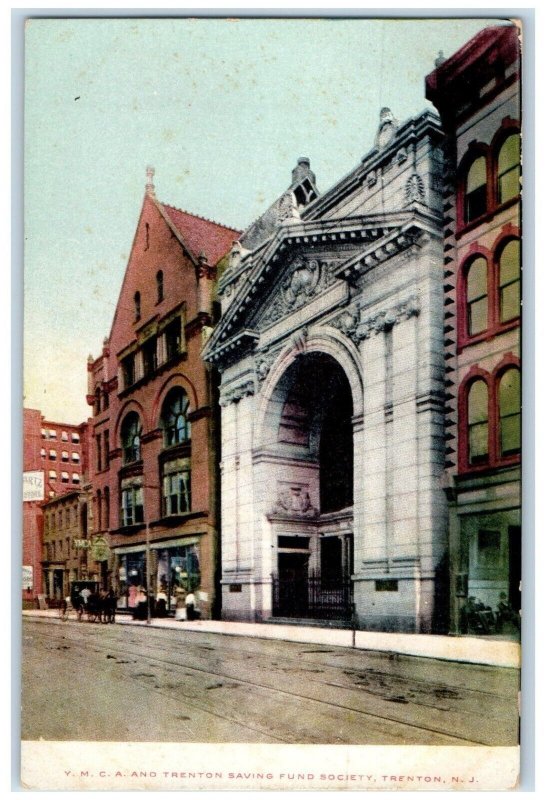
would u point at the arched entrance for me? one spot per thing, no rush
(310, 469)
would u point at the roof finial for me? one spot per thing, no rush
(440, 60)
(150, 188)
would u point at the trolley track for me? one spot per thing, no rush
(189, 671)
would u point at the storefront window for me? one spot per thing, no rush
(178, 572)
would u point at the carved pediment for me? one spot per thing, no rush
(304, 278)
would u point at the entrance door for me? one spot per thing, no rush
(293, 589)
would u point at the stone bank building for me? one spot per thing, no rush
(330, 349)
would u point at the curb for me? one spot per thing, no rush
(463, 649)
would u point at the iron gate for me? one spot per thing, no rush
(313, 597)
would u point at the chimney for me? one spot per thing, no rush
(302, 170)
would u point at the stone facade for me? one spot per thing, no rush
(330, 348)
(482, 317)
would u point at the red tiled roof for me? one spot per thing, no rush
(202, 235)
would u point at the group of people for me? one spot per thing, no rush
(476, 617)
(185, 604)
(98, 605)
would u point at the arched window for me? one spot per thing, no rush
(131, 433)
(174, 419)
(478, 423)
(475, 199)
(476, 297)
(509, 281)
(159, 280)
(510, 412)
(508, 169)
(137, 306)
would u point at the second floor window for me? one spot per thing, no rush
(478, 423)
(476, 297)
(510, 412)
(132, 506)
(177, 487)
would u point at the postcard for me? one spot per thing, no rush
(272, 415)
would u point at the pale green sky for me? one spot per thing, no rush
(221, 108)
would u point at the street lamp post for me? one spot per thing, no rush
(148, 576)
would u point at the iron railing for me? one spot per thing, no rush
(312, 597)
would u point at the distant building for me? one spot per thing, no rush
(155, 441)
(477, 92)
(54, 463)
(69, 551)
(330, 348)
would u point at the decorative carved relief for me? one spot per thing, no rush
(301, 283)
(294, 502)
(415, 188)
(263, 363)
(357, 330)
(232, 394)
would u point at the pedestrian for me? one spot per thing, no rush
(141, 608)
(85, 594)
(161, 604)
(191, 612)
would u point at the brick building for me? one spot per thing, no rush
(477, 92)
(57, 452)
(154, 454)
(70, 552)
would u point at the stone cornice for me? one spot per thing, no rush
(232, 347)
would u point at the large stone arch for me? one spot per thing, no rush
(322, 340)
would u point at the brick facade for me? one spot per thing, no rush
(477, 92)
(154, 454)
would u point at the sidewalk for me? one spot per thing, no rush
(466, 649)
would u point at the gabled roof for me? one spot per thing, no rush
(200, 234)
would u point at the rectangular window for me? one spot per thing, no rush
(98, 452)
(64, 455)
(52, 475)
(149, 356)
(489, 548)
(64, 436)
(52, 455)
(106, 449)
(64, 477)
(75, 477)
(128, 370)
(52, 434)
(173, 337)
(76, 458)
(177, 493)
(132, 507)
(75, 438)
(44, 433)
